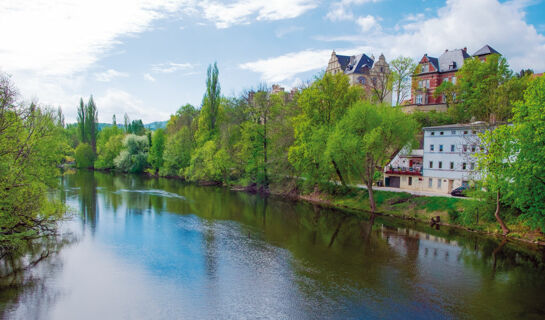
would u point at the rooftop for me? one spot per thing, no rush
(476, 124)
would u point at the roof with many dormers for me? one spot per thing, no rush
(477, 124)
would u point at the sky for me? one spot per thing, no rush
(147, 58)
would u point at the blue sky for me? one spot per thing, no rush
(148, 57)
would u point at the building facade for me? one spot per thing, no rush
(432, 72)
(363, 70)
(447, 160)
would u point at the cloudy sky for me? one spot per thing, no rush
(148, 57)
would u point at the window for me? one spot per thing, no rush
(474, 132)
(430, 183)
(473, 148)
(451, 165)
(431, 164)
(472, 166)
(410, 181)
(453, 132)
(432, 147)
(441, 133)
(452, 148)
(439, 183)
(427, 83)
(464, 166)
(465, 132)
(453, 80)
(440, 165)
(464, 147)
(425, 68)
(440, 148)
(419, 99)
(432, 133)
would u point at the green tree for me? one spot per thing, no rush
(133, 157)
(486, 90)
(322, 105)
(402, 70)
(513, 160)
(109, 145)
(85, 156)
(367, 138)
(157, 149)
(91, 123)
(32, 146)
(81, 121)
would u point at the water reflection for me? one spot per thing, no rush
(160, 248)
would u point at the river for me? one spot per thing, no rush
(146, 248)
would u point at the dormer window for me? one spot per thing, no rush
(452, 66)
(425, 68)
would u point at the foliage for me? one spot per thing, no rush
(432, 118)
(402, 70)
(108, 151)
(367, 138)
(157, 149)
(322, 105)
(136, 127)
(486, 90)
(85, 156)
(31, 147)
(133, 157)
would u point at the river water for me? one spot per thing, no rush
(142, 248)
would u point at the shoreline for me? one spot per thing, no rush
(318, 199)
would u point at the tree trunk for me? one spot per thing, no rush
(338, 173)
(497, 215)
(371, 197)
(266, 182)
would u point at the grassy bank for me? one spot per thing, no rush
(469, 214)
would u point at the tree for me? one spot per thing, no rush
(85, 156)
(212, 97)
(109, 144)
(322, 105)
(91, 123)
(133, 157)
(81, 121)
(157, 149)
(32, 146)
(486, 90)
(513, 162)
(367, 138)
(126, 122)
(402, 70)
(136, 127)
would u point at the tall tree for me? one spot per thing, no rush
(212, 97)
(367, 138)
(322, 104)
(157, 149)
(402, 70)
(91, 123)
(126, 122)
(81, 121)
(513, 160)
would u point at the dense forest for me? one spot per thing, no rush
(322, 138)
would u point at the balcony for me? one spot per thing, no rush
(409, 171)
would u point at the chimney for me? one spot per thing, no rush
(446, 50)
(465, 49)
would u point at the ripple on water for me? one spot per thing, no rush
(152, 192)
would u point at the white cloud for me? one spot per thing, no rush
(287, 66)
(171, 67)
(119, 102)
(341, 10)
(149, 77)
(242, 11)
(282, 31)
(458, 24)
(368, 23)
(66, 36)
(109, 75)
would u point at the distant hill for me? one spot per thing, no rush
(156, 125)
(150, 126)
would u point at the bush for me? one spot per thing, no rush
(85, 156)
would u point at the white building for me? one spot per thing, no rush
(447, 160)
(449, 155)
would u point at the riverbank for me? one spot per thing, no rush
(462, 213)
(445, 211)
